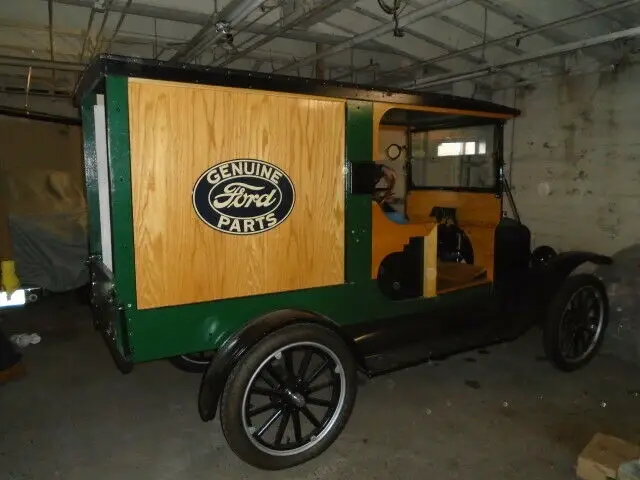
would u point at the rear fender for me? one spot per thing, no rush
(238, 344)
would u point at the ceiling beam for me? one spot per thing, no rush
(326, 13)
(123, 14)
(529, 22)
(514, 36)
(404, 20)
(40, 63)
(421, 36)
(620, 18)
(414, 33)
(289, 22)
(488, 70)
(396, 50)
(193, 18)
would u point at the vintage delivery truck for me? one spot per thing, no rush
(282, 234)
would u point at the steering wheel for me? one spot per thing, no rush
(384, 194)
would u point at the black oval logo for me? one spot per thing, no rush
(243, 196)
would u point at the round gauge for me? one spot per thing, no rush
(393, 151)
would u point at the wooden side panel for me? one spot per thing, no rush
(430, 264)
(478, 214)
(389, 237)
(482, 240)
(177, 132)
(479, 209)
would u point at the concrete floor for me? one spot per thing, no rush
(502, 414)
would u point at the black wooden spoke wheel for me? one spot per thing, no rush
(192, 362)
(576, 322)
(289, 398)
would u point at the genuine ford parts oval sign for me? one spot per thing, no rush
(243, 196)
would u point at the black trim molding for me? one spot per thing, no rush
(107, 64)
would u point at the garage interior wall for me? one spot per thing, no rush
(30, 147)
(42, 187)
(574, 163)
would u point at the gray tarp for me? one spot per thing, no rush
(50, 250)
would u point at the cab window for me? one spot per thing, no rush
(458, 158)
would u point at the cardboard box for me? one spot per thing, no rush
(603, 455)
(629, 471)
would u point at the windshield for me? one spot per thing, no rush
(454, 158)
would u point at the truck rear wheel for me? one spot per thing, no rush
(289, 397)
(576, 322)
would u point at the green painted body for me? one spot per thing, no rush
(91, 174)
(142, 335)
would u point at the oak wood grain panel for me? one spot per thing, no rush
(177, 132)
(389, 236)
(478, 214)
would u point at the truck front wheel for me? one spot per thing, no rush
(576, 322)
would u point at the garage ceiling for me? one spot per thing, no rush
(418, 44)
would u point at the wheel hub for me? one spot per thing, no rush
(581, 324)
(296, 399)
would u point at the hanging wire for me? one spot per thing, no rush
(394, 10)
(264, 13)
(155, 38)
(484, 36)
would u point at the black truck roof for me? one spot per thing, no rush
(107, 64)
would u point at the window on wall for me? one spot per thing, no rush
(454, 158)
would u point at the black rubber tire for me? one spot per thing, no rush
(232, 398)
(551, 328)
(184, 363)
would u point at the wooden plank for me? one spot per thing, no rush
(388, 236)
(478, 214)
(380, 108)
(430, 264)
(177, 133)
(478, 209)
(482, 240)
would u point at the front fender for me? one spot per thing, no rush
(564, 263)
(237, 345)
(545, 279)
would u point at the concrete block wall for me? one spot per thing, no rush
(574, 164)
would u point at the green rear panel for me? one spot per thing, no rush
(168, 331)
(91, 174)
(117, 119)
